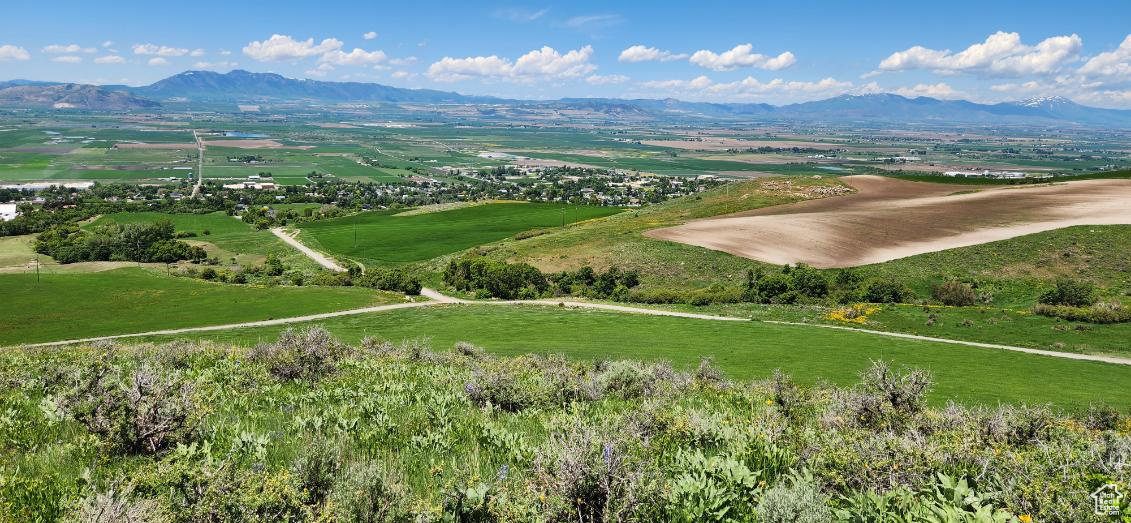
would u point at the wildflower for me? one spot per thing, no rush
(1025, 518)
(769, 402)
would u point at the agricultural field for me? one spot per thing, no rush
(79, 305)
(889, 219)
(383, 238)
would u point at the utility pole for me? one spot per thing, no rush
(37, 268)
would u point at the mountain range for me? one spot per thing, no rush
(243, 86)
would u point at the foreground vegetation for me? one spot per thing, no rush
(306, 428)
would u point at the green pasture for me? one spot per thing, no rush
(381, 238)
(68, 306)
(743, 350)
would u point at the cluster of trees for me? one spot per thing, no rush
(613, 283)
(140, 242)
(396, 280)
(263, 217)
(803, 284)
(490, 278)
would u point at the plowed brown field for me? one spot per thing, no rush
(888, 219)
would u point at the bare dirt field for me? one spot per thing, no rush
(255, 144)
(155, 146)
(888, 219)
(722, 144)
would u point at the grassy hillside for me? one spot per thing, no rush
(381, 238)
(227, 237)
(307, 429)
(743, 350)
(618, 240)
(1097, 253)
(68, 306)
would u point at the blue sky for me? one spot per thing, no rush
(777, 52)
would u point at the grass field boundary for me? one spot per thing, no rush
(437, 298)
(1039, 352)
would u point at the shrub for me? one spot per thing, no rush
(390, 280)
(118, 507)
(1074, 293)
(368, 492)
(1017, 426)
(1102, 313)
(307, 354)
(315, 470)
(799, 501)
(954, 293)
(590, 477)
(887, 397)
(1100, 416)
(886, 291)
(143, 411)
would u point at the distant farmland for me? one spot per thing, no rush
(383, 238)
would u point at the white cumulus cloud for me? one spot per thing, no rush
(403, 75)
(539, 64)
(158, 50)
(67, 48)
(1111, 63)
(157, 60)
(1001, 54)
(214, 65)
(641, 53)
(67, 59)
(110, 59)
(370, 35)
(741, 56)
(357, 57)
(13, 52)
(610, 79)
(279, 48)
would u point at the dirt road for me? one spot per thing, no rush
(322, 259)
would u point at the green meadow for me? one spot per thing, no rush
(743, 350)
(80, 305)
(382, 238)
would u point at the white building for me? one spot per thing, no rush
(8, 212)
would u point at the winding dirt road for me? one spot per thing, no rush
(322, 259)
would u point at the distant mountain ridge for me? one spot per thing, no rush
(239, 85)
(210, 85)
(71, 96)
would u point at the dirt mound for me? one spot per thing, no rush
(888, 219)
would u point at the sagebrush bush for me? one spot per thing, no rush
(118, 507)
(797, 501)
(145, 410)
(307, 354)
(590, 476)
(367, 491)
(887, 397)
